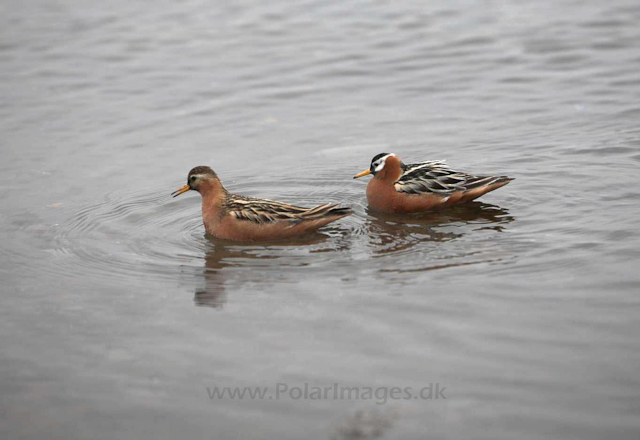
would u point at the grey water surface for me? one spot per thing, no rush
(119, 319)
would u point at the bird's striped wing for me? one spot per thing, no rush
(435, 176)
(263, 211)
(432, 176)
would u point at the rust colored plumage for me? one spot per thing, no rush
(239, 218)
(423, 186)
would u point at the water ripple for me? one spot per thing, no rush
(129, 235)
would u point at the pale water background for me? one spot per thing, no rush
(116, 311)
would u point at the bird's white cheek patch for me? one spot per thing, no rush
(383, 161)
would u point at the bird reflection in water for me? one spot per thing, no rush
(213, 293)
(390, 233)
(223, 257)
(229, 265)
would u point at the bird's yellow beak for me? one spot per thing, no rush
(181, 190)
(364, 173)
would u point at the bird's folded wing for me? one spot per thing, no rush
(432, 176)
(264, 211)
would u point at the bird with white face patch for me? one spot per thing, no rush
(239, 218)
(423, 186)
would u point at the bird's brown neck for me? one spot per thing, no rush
(212, 191)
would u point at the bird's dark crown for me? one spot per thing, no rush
(201, 170)
(378, 156)
(372, 167)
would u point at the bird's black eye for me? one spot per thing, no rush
(193, 178)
